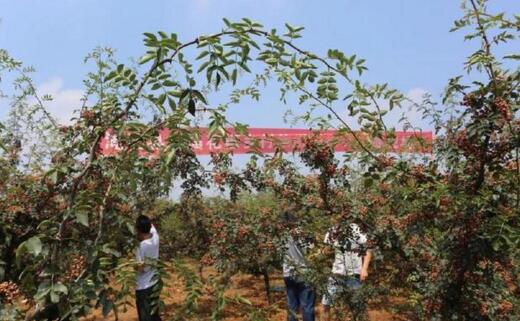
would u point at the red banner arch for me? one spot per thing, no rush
(269, 140)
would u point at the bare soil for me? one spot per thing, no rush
(246, 286)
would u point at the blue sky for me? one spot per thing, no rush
(406, 42)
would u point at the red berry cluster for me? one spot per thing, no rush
(219, 178)
(87, 114)
(75, 268)
(9, 292)
(466, 145)
(503, 108)
(385, 161)
(470, 100)
(318, 154)
(207, 259)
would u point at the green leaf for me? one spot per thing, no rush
(55, 297)
(191, 107)
(130, 227)
(161, 99)
(515, 57)
(202, 55)
(290, 28)
(172, 104)
(234, 76)
(34, 245)
(199, 96)
(203, 66)
(110, 76)
(170, 83)
(226, 22)
(241, 299)
(150, 35)
(245, 67)
(60, 288)
(218, 80)
(54, 176)
(169, 160)
(184, 94)
(82, 218)
(20, 251)
(43, 289)
(107, 307)
(368, 182)
(495, 245)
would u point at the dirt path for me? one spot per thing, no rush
(246, 286)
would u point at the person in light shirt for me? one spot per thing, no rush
(147, 251)
(300, 295)
(350, 267)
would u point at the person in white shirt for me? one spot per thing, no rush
(147, 251)
(300, 295)
(350, 266)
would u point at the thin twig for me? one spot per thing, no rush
(344, 75)
(486, 44)
(351, 131)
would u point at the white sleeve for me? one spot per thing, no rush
(327, 239)
(155, 234)
(361, 238)
(138, 255)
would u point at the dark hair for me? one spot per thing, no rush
(143, 224)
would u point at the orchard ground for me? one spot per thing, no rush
(247, 286)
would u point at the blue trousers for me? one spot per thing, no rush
(299, 295)
(339, 283)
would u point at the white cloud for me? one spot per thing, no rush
(413, 115)
(64, 102)
(416, 94)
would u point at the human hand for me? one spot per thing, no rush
(363, 275)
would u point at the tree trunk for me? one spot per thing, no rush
(201, 268)
(267, 285)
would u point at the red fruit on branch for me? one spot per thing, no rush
(503, 107)
(219, 178)
(467, 100)
(505, 308)
(242, 231)
(75, 267)
(331, 170)
(207, 260)
(9, 292)
(385, 161)
(218, 225)
(64, 129)
(87, 114)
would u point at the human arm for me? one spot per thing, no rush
(366, 262)
(154, 234)
(139, 267)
